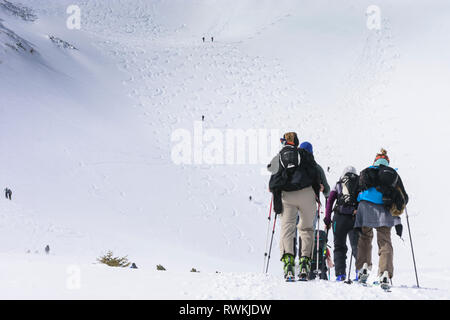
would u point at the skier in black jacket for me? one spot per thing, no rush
(295, 185)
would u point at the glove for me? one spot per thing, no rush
(327, 222)
(399, 230)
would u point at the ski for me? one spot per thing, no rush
(289, 277)
(365, 284)
(385, 286)
(302, 277)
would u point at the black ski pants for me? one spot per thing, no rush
(343, 226)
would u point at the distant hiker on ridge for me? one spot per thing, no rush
(8, 193)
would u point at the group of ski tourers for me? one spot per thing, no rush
(356, 205)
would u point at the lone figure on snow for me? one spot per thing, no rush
(8, 193)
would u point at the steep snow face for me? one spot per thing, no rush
(87, 134)
(18, 10)
(9, 39)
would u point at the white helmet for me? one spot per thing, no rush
(347, 170)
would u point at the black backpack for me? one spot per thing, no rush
(349, 190)
(391, 186)
(297, 170)
(387, 177)
(290, 158)
(368, 178)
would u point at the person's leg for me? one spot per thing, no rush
(296, 238)
(364, 254)
(308, 210)
(340, 243)
(353, 236)
(385, 251)
(288, 224)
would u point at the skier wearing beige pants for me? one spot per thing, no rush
(302, 202)
(385, 250)
(373, 213)
(294, 183)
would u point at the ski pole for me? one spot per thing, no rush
(349, 281)
(271, 240)
(315, 230)
(412, 249)
(317, 238)
(268, 229)
(326, 248)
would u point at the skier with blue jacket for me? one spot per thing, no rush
(372, 214)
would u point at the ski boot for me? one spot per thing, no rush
(356, 276)
(305, 268)
(340, 278)
(384, 281)
(289, 266)
(364, 274)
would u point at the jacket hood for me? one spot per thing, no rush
(348, 169)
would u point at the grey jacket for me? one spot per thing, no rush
(323, 180)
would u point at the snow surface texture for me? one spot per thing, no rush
(86, 139)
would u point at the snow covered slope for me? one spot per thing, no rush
(86, 134)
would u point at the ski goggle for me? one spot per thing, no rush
(284, 142)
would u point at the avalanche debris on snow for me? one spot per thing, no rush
(9, 39)
(18, 10)
(61, 43)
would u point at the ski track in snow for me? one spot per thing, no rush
(158, 76)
